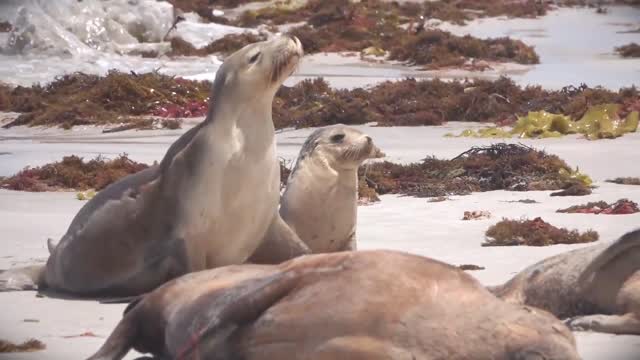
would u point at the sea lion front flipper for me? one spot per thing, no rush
(280, 244)
(22, 279)
(626, 249)
(202, 329)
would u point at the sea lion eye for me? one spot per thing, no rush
(254, 58)
(337, 138)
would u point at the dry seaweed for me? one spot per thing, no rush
(534, 232)
(625, 181)
(470, 267)
(118, 98)
(81, 99)
(410, 102)
(574, 190)
(631, 50)
(225, 45)
(72, 173)
(342, 25)
(620, 207)
(27, 346)
(497, 167)
(5, 26)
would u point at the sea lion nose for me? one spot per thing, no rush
(369, 140)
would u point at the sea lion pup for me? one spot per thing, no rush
(320, 202)
(209, 203)
(597, 286)
(349, 305)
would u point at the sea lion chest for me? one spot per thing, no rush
(322, 210)
(232, 197)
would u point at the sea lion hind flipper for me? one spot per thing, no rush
(209, 322)
(23, 279)
(121, 339)
(627, 245)
(280, 244)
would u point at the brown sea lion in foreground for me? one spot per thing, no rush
(364, 305)
(598, 287)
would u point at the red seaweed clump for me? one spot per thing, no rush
(620, 207)
(72, 173)
(534, 232)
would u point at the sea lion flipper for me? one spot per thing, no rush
(281, 243)
(22, 279)
(205, 327)
(627, 245)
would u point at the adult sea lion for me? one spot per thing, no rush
(209, 203)
(598, 287)
(320, 202)
(364, 305)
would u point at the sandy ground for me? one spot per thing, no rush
(431, 229)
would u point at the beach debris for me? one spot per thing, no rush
(379, 28)
(84, 334)
(534, 232)
(599, 122)
(27, 346)
(476, 215)
(86, 195)
(620, 207)
(470, 267)
(73, 173)
(631, 50)
(5, 26)
(120, 99)
(224, 46)
(81, 99)
(574, 190)
(513, 167)
(625, 181)
(524, 201)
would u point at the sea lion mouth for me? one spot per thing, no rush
(287, 60)
(362, 152)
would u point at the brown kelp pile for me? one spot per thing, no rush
(620, 207)
(625, 180)
(534, 232)
(81, 99)
(225, 45)
(318, 12)
(388, 27)
(631, 50)
(27, 346)
(410, 102)
(72, 173)
(497, 167)
(120, 97)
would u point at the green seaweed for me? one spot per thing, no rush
(599, 122)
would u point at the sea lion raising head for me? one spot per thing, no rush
(209, 203)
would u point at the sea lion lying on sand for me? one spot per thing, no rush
(364, 305)
(598, 287)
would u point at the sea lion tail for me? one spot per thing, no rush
(121, 339)
(629, 244)
(23, 278)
